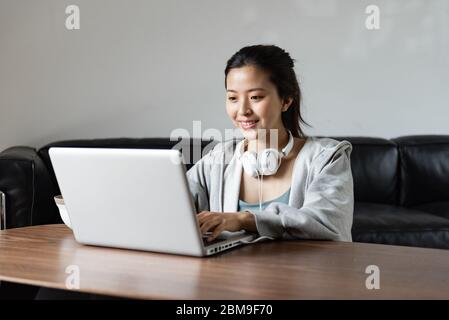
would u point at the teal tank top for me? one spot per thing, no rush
(245, 205)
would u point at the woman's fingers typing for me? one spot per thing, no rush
(209, 225)
(217, 222)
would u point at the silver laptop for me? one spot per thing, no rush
(134, 199)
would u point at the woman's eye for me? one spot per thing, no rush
(232, 98)
(256, 97)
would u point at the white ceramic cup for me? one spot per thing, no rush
(62, 210)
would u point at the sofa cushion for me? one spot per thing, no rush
(386, 224)
(438, 208)
(424, 169)
(374, 164)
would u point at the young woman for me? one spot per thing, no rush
(307, 181)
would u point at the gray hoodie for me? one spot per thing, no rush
(321, 199)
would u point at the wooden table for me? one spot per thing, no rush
(39, 256)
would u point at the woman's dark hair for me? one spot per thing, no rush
(279, 65)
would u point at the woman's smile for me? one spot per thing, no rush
(246, 125)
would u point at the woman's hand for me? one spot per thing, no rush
(216, 222)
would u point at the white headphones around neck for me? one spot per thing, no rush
(267, 162)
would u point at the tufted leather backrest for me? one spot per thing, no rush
(374, 164)
(424, 169)
(374, 161)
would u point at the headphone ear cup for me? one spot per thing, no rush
(268, 162)
(249, 162)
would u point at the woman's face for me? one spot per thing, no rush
(252, 101)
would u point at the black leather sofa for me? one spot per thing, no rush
(401, 185)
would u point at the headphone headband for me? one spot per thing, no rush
(289, 145)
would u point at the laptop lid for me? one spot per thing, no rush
(128, 198)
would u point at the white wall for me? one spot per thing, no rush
(143, 68)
